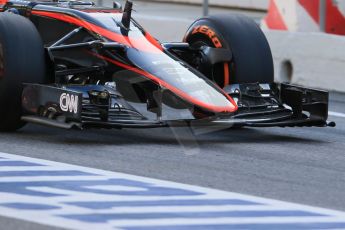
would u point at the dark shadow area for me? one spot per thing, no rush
(161, 136)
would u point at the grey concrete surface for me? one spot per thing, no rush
(10, 223)
(179, 11)
(303, 165)
(243, 4)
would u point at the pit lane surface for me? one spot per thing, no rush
(302, 165)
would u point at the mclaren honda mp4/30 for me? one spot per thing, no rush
(72, 64)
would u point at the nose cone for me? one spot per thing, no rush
(181, 79)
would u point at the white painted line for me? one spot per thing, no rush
(60, 196)
(220, 221)
(336, 114)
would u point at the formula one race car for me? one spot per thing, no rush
(71, 64)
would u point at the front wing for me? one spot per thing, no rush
(95, 106)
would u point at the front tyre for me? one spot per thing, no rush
(22, 60)
(252, 59)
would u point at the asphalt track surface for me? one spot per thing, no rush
(302, 165)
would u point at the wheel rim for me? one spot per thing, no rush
(226, 68)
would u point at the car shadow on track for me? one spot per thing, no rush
(161, 136)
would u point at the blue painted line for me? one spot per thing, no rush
(285, 226)
(146, 189)
(30, 199)
(29, 206)
(104, 217)
(44, 173)
(18, 163)
(203, 202)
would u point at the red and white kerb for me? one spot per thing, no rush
(303, 15)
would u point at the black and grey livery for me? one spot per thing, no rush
(71, 64)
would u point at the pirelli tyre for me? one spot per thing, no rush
(22, 60)
(252, 60)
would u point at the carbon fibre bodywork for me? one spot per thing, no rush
(106, 71)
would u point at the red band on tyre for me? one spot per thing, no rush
(210, 33)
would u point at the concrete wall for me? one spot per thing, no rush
(246, 4)
(317, 59)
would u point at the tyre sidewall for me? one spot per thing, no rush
(252, 58)
(23, 61)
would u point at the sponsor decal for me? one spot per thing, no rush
(210, 33)
(69, 103)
